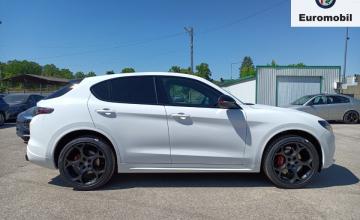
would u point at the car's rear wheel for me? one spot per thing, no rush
(86, 163)
(2, 119)
(351, 117)
(291, 162)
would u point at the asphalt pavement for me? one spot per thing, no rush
(31, 192)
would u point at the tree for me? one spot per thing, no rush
(110, 72)
(186, 70)
(66, 73)
(175, 69)
(16, 67)
(273, 63)
(247, 68)
(297, 65)
(50, 70)
(203, 71)
(79, 75)
(90, 74)
(128, 70)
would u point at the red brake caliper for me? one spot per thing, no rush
(279, 160)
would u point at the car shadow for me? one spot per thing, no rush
(336, 175)
(8, 125)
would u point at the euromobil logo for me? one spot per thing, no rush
(325, 3)
(325, 13)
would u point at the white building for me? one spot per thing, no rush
(281, 85)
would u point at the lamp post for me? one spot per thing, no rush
(345, 56)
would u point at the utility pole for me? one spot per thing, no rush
(345, 56)
(231, 69)
(190, 31)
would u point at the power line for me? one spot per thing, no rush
(116, 47)
(170, 35)
(256, 13)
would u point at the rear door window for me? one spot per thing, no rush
(337, 99)
(132, 90)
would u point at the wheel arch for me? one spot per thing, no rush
(351, 110)
(300, 133)
(66, 138)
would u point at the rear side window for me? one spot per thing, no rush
(133, 90)
(63, 90)
(337, 99)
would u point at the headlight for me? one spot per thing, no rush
(325, 125)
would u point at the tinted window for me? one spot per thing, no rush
(187, 92)
(102, 91)
(302, 100)
(337, 99)
(134, 90)
(63, 90)
(319, 100)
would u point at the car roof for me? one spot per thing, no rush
(95, 79)
(330, 94)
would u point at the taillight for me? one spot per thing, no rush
(42, 110)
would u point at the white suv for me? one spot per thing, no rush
(166, 122)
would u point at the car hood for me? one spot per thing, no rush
(289, 111)
(25, 115)
(258, 106)
(292, 106)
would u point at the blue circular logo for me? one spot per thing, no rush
(325, 3)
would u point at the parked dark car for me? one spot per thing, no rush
(22, 123)
(4, 108)
(20, 102)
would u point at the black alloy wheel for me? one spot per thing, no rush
(291, 162)
(351, 117)
(86, 163)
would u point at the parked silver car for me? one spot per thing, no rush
(332, 107)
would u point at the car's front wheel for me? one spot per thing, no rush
(291, 162)
(86, 163)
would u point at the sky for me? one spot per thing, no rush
(149, 35)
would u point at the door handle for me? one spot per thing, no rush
(180, 115)
(106, 112)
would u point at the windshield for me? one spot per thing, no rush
(15, 99)
(302, 100)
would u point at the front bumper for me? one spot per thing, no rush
(327, 142)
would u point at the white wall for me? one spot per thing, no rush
(245, 91)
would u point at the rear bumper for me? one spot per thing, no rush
(37, 155)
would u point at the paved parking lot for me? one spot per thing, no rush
(31, 192)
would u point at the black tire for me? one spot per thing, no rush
(2, 119)
(351, 117)
(291, 162)
(86, 163)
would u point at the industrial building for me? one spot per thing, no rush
(281, 85)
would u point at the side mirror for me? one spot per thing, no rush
(227, 102)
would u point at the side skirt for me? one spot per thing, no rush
(183, 168)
